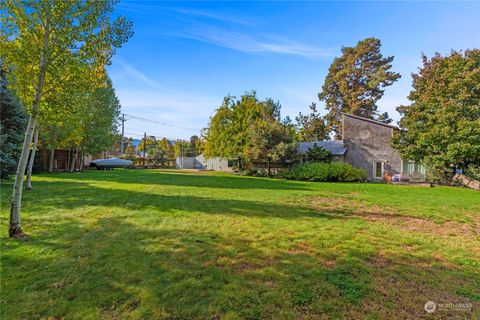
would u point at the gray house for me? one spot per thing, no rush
(367, 144)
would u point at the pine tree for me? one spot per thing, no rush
(13, 121)
(355, 82)
(311, 127)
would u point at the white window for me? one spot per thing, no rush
(378, 169)
(413, 170)
(412, 167)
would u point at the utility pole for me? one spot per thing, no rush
(144, 147)
(123, 133)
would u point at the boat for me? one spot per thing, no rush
(108, 164)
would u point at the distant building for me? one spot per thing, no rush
(200, 162)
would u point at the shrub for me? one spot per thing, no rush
(439, 174)
(254, 172)
(473, 172)
(319, 154)
(317, 171)
(248, 172)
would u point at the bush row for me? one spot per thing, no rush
(318, 171)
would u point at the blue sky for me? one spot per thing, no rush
(186, 56)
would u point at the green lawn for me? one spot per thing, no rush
(150, 244)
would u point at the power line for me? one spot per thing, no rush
(152, 135)
(158, 122)
(133, 131)
(133, 134)
(145, 119)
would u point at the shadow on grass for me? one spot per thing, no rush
(119, 270)
(73, 195)
(123, 267)
(178, 178)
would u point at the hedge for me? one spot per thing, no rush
(318, 171)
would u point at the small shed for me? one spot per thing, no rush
(215, 163)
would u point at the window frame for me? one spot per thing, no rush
(382, 171)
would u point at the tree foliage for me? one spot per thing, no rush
(58, 41)
(186, 148)
(311, 127)
(13, 121)
(158, 151)
(54, 48)
(248, 129)
(441, 126)
(99, 119)
(269, 141)
(355, 82)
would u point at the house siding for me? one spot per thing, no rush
(214, 163)
(368, 142)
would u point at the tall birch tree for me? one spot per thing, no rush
(46, 43)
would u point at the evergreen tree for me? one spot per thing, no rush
(311, 127)
(319, 154)
(355, 82)
(13, 121)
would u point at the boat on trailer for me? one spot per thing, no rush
(108, 164)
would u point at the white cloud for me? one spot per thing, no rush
(220, 17)
(154, 8)
(178, 114)
(202, 25)
(174, 101)
(127, 71)
(244, 42)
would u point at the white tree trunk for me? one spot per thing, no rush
(69, 160)
(50, 161)
(16, 202)
(32, 157)
(82, 158)
(74, 160)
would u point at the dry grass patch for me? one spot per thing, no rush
(398, 217)
(402, 287)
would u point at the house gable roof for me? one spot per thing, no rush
(336, 147)
(369, 120)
